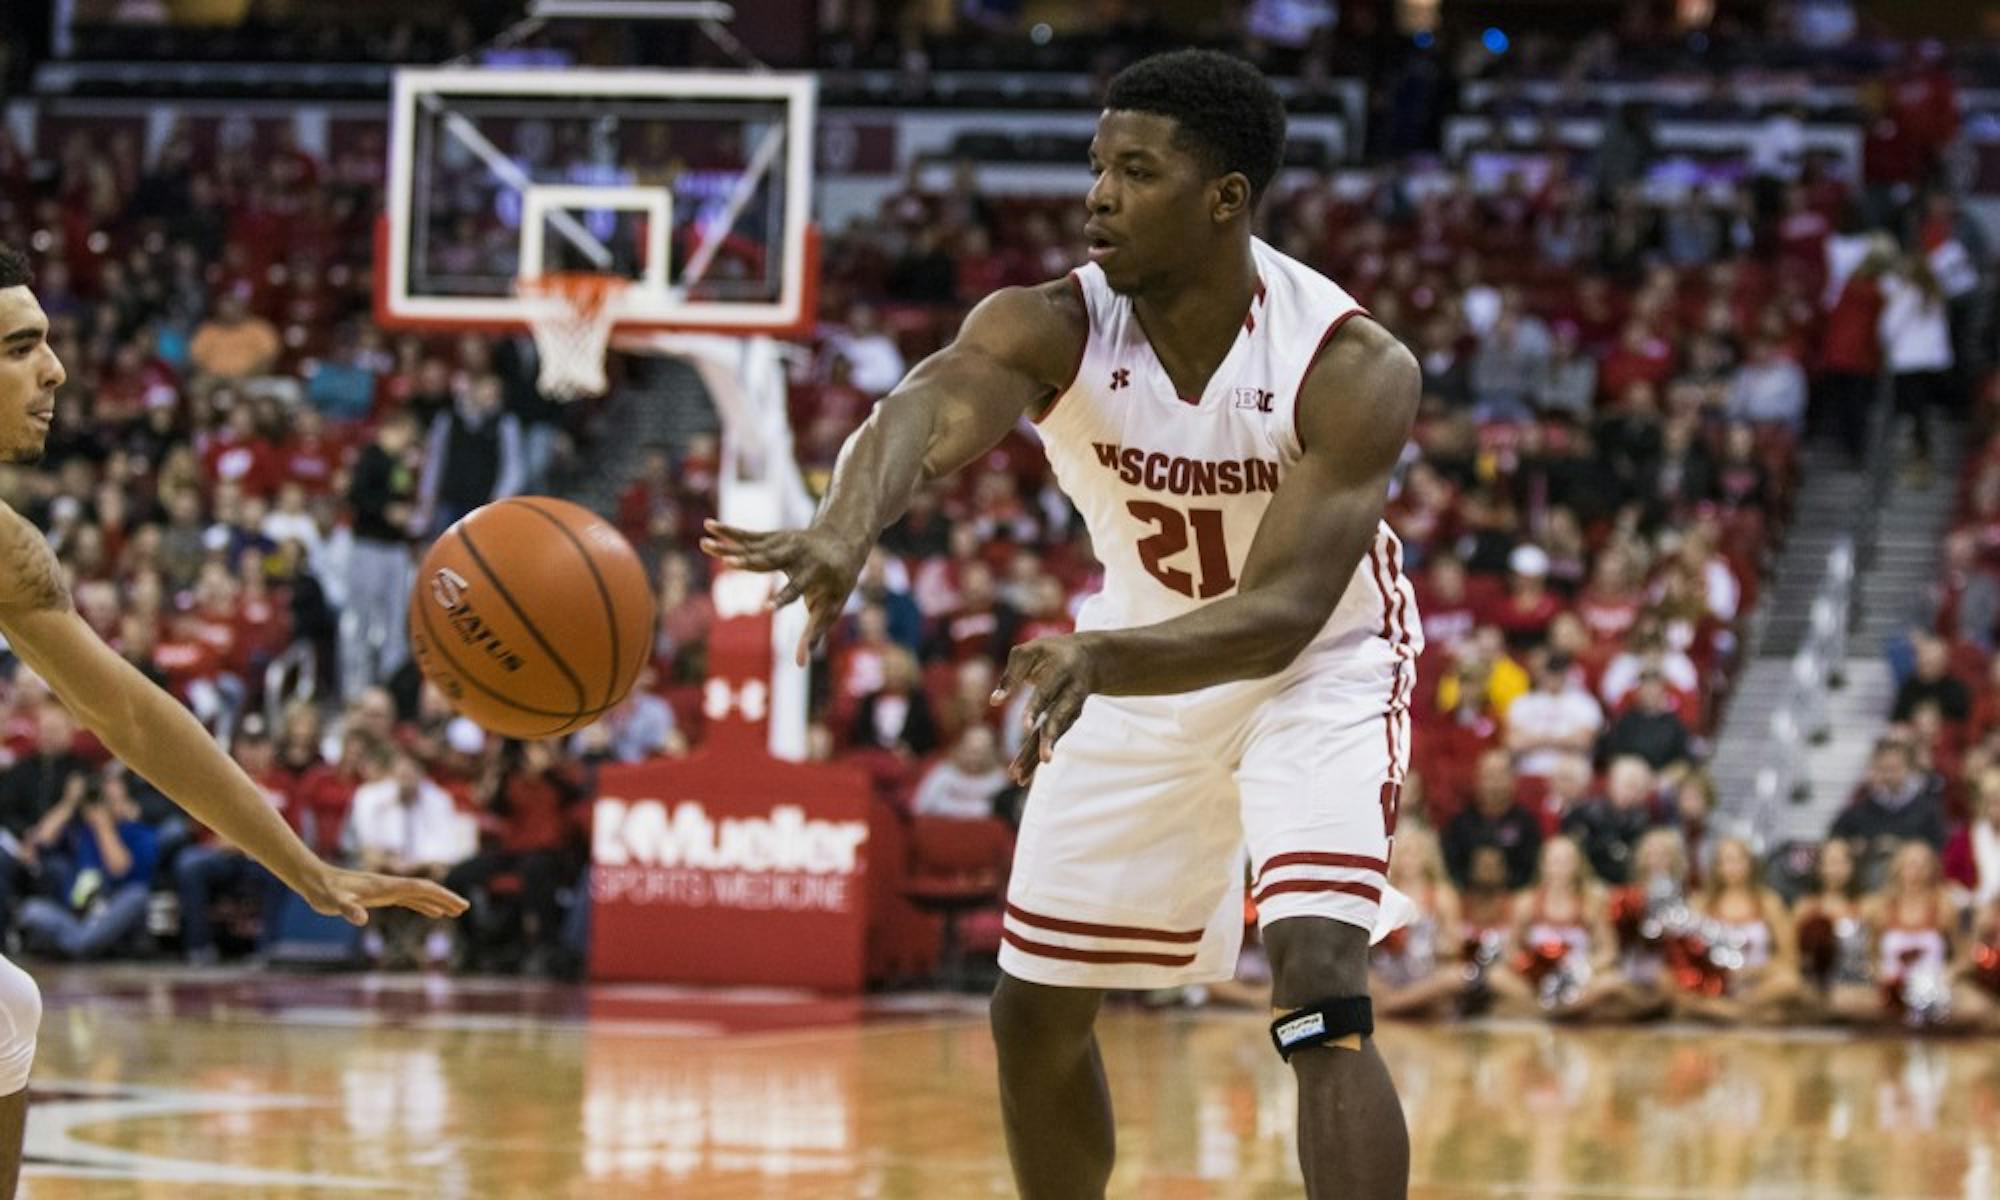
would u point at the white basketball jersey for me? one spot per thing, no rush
(1173, 487)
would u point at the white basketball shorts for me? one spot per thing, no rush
(1131, 863)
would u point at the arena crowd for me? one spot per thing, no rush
(1620, 377)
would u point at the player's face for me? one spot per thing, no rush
(30, 373)
(1154, 209)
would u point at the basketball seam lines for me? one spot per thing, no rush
(612, 691)
(582, 699)
(423, 614)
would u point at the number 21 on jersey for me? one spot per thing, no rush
(1170, 537)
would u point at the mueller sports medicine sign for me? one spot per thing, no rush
(741, 869)
(646, 853)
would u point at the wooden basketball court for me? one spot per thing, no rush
(160, 1084)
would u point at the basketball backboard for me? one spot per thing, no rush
(694, 187)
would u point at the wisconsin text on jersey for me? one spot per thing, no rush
(1181, 476)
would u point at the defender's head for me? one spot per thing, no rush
(1185, 147)
(30, 373)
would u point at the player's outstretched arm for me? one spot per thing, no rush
(1016, 351)
(154, 735)
(1354, 411)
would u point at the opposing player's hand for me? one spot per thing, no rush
(350, 894)
(819, 568)
(1063, 674)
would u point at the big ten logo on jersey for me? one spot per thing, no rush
(1255, 399)
(689, 856)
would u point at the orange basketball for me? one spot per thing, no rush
(533, 614)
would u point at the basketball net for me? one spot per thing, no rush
(573, 330)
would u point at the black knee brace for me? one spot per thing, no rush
(1318, 1024)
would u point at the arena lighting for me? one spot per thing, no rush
(1494, 40)
(640, 10)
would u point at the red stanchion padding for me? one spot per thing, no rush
(731, 868)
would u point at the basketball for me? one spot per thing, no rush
(533, 615)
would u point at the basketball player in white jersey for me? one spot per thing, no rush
(1227, 420)
(142, 725)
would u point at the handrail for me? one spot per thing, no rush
(1801, 717)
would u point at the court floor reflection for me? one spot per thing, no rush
(282, 1088)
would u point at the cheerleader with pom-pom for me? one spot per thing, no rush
(1834, 938)
(1562, 958)
(1738, 964)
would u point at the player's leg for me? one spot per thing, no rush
(1128, 844)
(20, 1020)
(1320, 778)
(1053, 1097)
(1352, 1138)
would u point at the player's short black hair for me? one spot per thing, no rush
(14, 269)
(1228, 113)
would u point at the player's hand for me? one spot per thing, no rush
(1063, 674)
(350, 894)
(819, 568)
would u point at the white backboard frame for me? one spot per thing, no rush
(644, 308)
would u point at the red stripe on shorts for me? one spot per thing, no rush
(1311, 858)
(1367, 891)
(1058, 925)
(1041, 950)
(1398, 695)
(1381, 585)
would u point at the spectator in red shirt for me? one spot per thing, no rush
(969, 702)
(978, 270)
(240, 451)
(1612, 602)
(1802, 234)
(1640, 356)
(1047, 612)
(309, 456)
(839, 398)
(1965, 597)
(1529, 606)
(528, 801)
(1449, 612)
(214, 619)
(298, 740)
(982, 624)
(263, 627)
(650, 504)
(1924, 103)
(680, 648)
(1422, 515)
(1851, 355)
(325, 791)
(859, 666)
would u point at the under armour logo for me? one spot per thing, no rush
(1120, 378)
(719, 699)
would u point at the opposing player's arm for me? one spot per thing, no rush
(1015, 353)
(153, 734)
(1354, 413)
